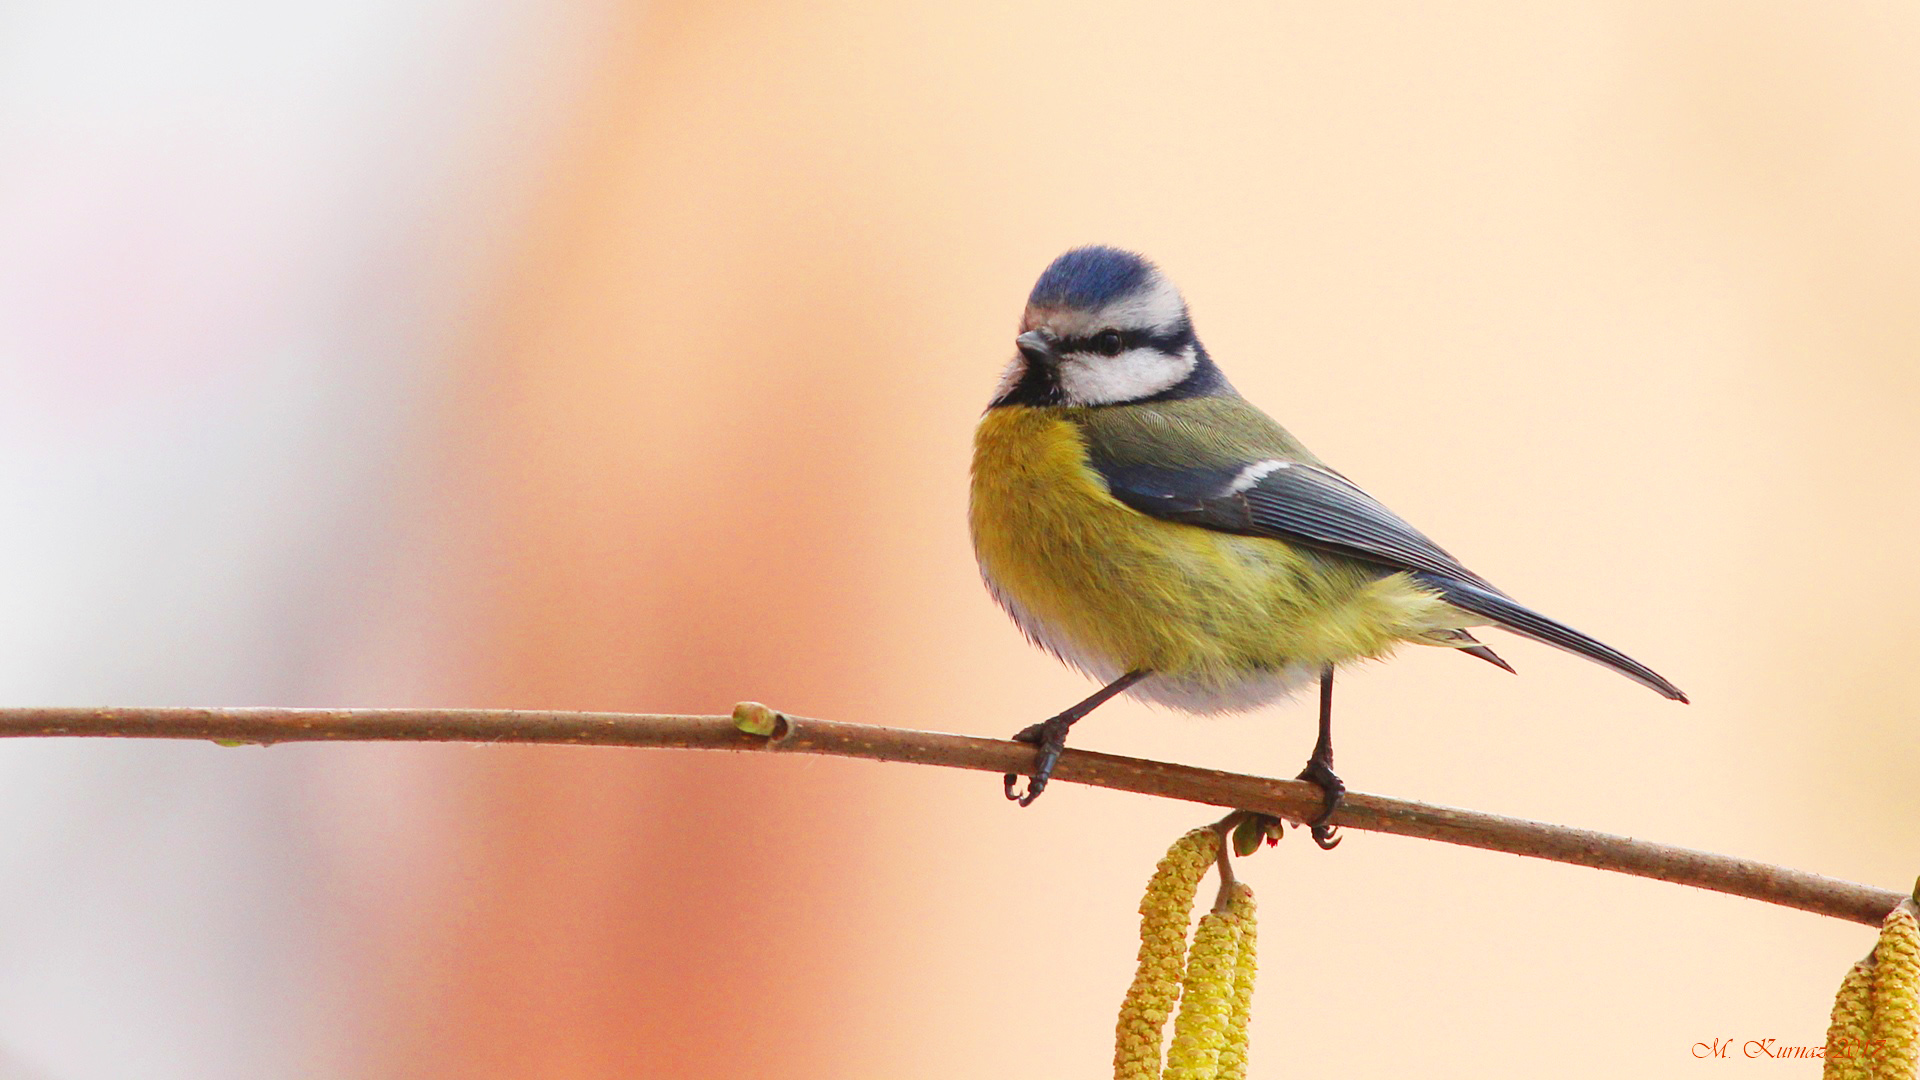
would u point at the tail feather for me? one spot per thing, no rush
(1455, 638)
(1508, 615)
(1490, 657)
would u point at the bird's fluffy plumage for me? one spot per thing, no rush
(1131, 511)
(1225, 621)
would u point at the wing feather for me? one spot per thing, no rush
(1291, 500)
(1315, 506)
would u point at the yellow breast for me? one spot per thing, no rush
(1110, 589)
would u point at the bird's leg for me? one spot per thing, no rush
(1050, 736)
(1319, 770)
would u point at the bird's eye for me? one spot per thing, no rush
(1108, 343)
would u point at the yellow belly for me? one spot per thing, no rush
(1224, 621)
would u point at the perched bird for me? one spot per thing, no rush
(1143, 522)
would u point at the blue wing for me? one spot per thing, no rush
(1288, 500)
(1307, 504)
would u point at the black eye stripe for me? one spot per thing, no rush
(1129, 339)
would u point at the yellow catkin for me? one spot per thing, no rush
(1233, 1056)
(1200, 1031)
(1895, 1035)
(1164, 913)
(1847, 1033)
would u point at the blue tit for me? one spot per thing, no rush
(1147, 525)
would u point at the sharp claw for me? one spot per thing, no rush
(1333, 796)
(1035, 786)
(1321, 775)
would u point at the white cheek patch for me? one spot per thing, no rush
(1092, 379)
(1255, 473)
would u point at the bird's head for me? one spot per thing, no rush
(1105, 327)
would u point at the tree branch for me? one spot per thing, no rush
(756, 728)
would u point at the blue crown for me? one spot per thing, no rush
(1090, 277)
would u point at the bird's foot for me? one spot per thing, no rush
(1050, 737)
(1320, 774)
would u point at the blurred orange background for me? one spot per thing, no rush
(626, 357)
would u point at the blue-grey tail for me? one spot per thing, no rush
(1508, 615)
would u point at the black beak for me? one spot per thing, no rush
(1037, 347)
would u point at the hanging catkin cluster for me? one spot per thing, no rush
(1164, 912)
(1210, 1035)
(1875, 1033)
(1233, 1058)
(1213, 984)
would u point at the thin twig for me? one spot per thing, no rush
(1290, 799)
(1223, 899)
